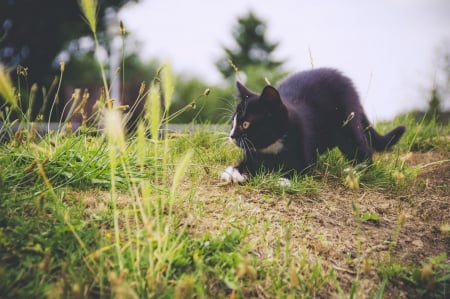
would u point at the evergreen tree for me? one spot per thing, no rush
(253, 49)
(434, 104)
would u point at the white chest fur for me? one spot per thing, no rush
(273, 149)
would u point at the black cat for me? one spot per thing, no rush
(283, 129)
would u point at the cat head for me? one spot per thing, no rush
(260, 120)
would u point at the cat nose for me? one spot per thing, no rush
(232, 138)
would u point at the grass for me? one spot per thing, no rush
(110, 216)
(146, 216)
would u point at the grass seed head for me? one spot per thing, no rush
(141, 145)
(184, 287)
(112, 120)
(427, 275)
(245, 269)
(142, 89)
(153, 110)
(352, 179)
(168, 84)
(22, 71)
(399, 177)
(6, 87)
(69, 127)
(89, 10)
(401, 218)
(293, 277)
(181, 170)
(123, 31)
(445, 229)
(34, 88)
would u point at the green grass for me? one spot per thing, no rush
(135, 240)
(106, 215)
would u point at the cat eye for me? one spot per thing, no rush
(245, 125)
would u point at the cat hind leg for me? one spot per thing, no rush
(355, 148)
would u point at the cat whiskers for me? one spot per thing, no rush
(228, 109)
(250, 146)
(247, 145)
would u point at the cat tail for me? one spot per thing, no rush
(382, 142)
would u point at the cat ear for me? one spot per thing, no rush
(270, 95)
(244, 92)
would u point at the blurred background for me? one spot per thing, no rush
(397, 52)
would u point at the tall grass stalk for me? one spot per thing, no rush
(123, 34)
(148, 233)
(55, 99)
(168, 82)
(153, 111)
(31, 99)
(180, 171)
(357, 213)
(401, 220)
(89, 9)
(116, 141)
(190, 106)
(7, 88)
(141, 144)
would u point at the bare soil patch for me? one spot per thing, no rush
(325, 224)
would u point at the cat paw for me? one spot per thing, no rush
(232, 175)
(284, 182)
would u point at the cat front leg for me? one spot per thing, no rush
(284, 182)
(233, 175)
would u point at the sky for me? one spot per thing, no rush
(389, 48)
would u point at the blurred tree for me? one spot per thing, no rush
(81, 69)
(213, 108)
(434, 104)
(439, 98)
(252, 49)
(33, 33)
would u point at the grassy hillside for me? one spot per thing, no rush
(99, 214)
(105, 215)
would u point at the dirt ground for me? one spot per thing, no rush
(324, 225)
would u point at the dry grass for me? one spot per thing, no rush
(324, 226)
